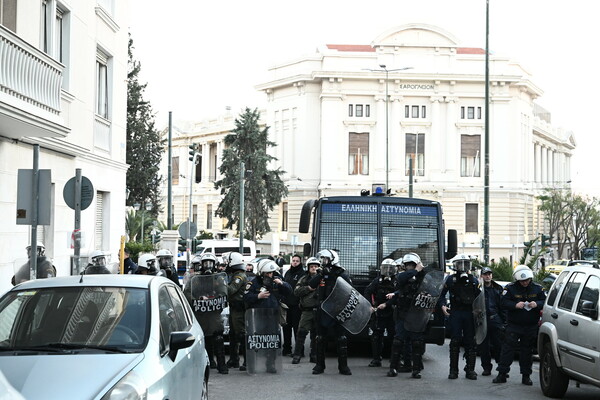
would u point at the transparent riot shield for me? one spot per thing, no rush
(424, 302)
(348, 307)
(263, 341)
(45, 269)
(479, 316)
(209, 298)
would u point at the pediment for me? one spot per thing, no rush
(415, 35)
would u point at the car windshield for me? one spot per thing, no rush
(69, 318)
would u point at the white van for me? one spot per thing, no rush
(218, 247)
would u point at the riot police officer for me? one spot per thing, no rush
(45, 269)
(408, 346)
(235, 293)
(210, 286)
(97, 264)
(146, 265)
(383, 318)
(308, 304)
(324, 282)
(463, 288)
(164, 258)
(495, 320)
(522, 299)
(292, 276)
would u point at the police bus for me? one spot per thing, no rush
(365, 230)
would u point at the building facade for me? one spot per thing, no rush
(63, 71)
(350, 116)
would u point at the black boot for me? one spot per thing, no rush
(501, 378)
(299, 348)
(376, 347)
(471, 359)
(395, 357)
(454, 353)
(234, 356)
(526, 380)
(342, 348)
(418, 348)
(220, 352)
(210, 346)
(320, 343)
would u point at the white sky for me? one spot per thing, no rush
(200, 56)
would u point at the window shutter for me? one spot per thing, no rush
(99, 220)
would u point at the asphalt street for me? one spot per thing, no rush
(297, 382)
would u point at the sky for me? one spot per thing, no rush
(199, 57)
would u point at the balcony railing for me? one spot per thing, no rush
(30, 81)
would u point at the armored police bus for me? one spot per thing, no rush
(365, 230)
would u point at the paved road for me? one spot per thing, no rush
(297, 382)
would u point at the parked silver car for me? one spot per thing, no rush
(569, 335)
(102, 337)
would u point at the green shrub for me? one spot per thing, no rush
(135, 249)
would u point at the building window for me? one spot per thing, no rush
(478, 112)
(175, 170)
(358, 153)
(470, 151)
(8, 14)
(367, 110)
(102, 77)
(101, 228)
(471, 217)
(209, 216)
(212, 154)
(350, 110)
(470, 112)
(195, 214)
(415, 151)
(284, 216)
(55, 37)
(359, 110)
(413, 111)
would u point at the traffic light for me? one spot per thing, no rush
(182, 245)
(546, 240)
(192, 151)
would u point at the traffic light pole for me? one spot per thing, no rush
(241, 223)
(193, 157)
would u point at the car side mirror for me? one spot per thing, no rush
(589, 309)
(178, 341)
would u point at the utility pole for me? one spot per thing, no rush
(486, 181)
(241, 223)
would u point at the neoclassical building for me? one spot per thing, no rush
(63, 71)
(349, 116)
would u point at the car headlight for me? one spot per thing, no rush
(130, 387)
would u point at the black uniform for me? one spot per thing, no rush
(381, 320)
(522, 327)
(323, 282)
(237, 325)
(292, 276)
(463, 289)
(408, 346)
(309, 302)
(92, 269)
(496, 318)
(45, 269)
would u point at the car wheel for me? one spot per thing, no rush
(553, 380)
(204, 395)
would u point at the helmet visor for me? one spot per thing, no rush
(388, 270)
(462, 265)
(100, 261)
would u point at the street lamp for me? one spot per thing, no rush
(387, 151)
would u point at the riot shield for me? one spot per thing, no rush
(479, 316)
(348, 307)
(45, 269)
(424, 302)
(209, 298)
(263, 341)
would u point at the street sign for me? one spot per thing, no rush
(87, 193)
(25, 197)
(183, 230)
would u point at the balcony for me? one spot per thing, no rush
(30, 89)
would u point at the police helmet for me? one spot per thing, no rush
(399, 264)
(236, 261)
(265, 265)
(209, 262)
(522, 273)
(388, 267)
(165, 258)
(196, 263)
(147, 261)
(313, 261)
(461, 263)
(329, 257)
(41, 249)
(411, 258)
(98, 258)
